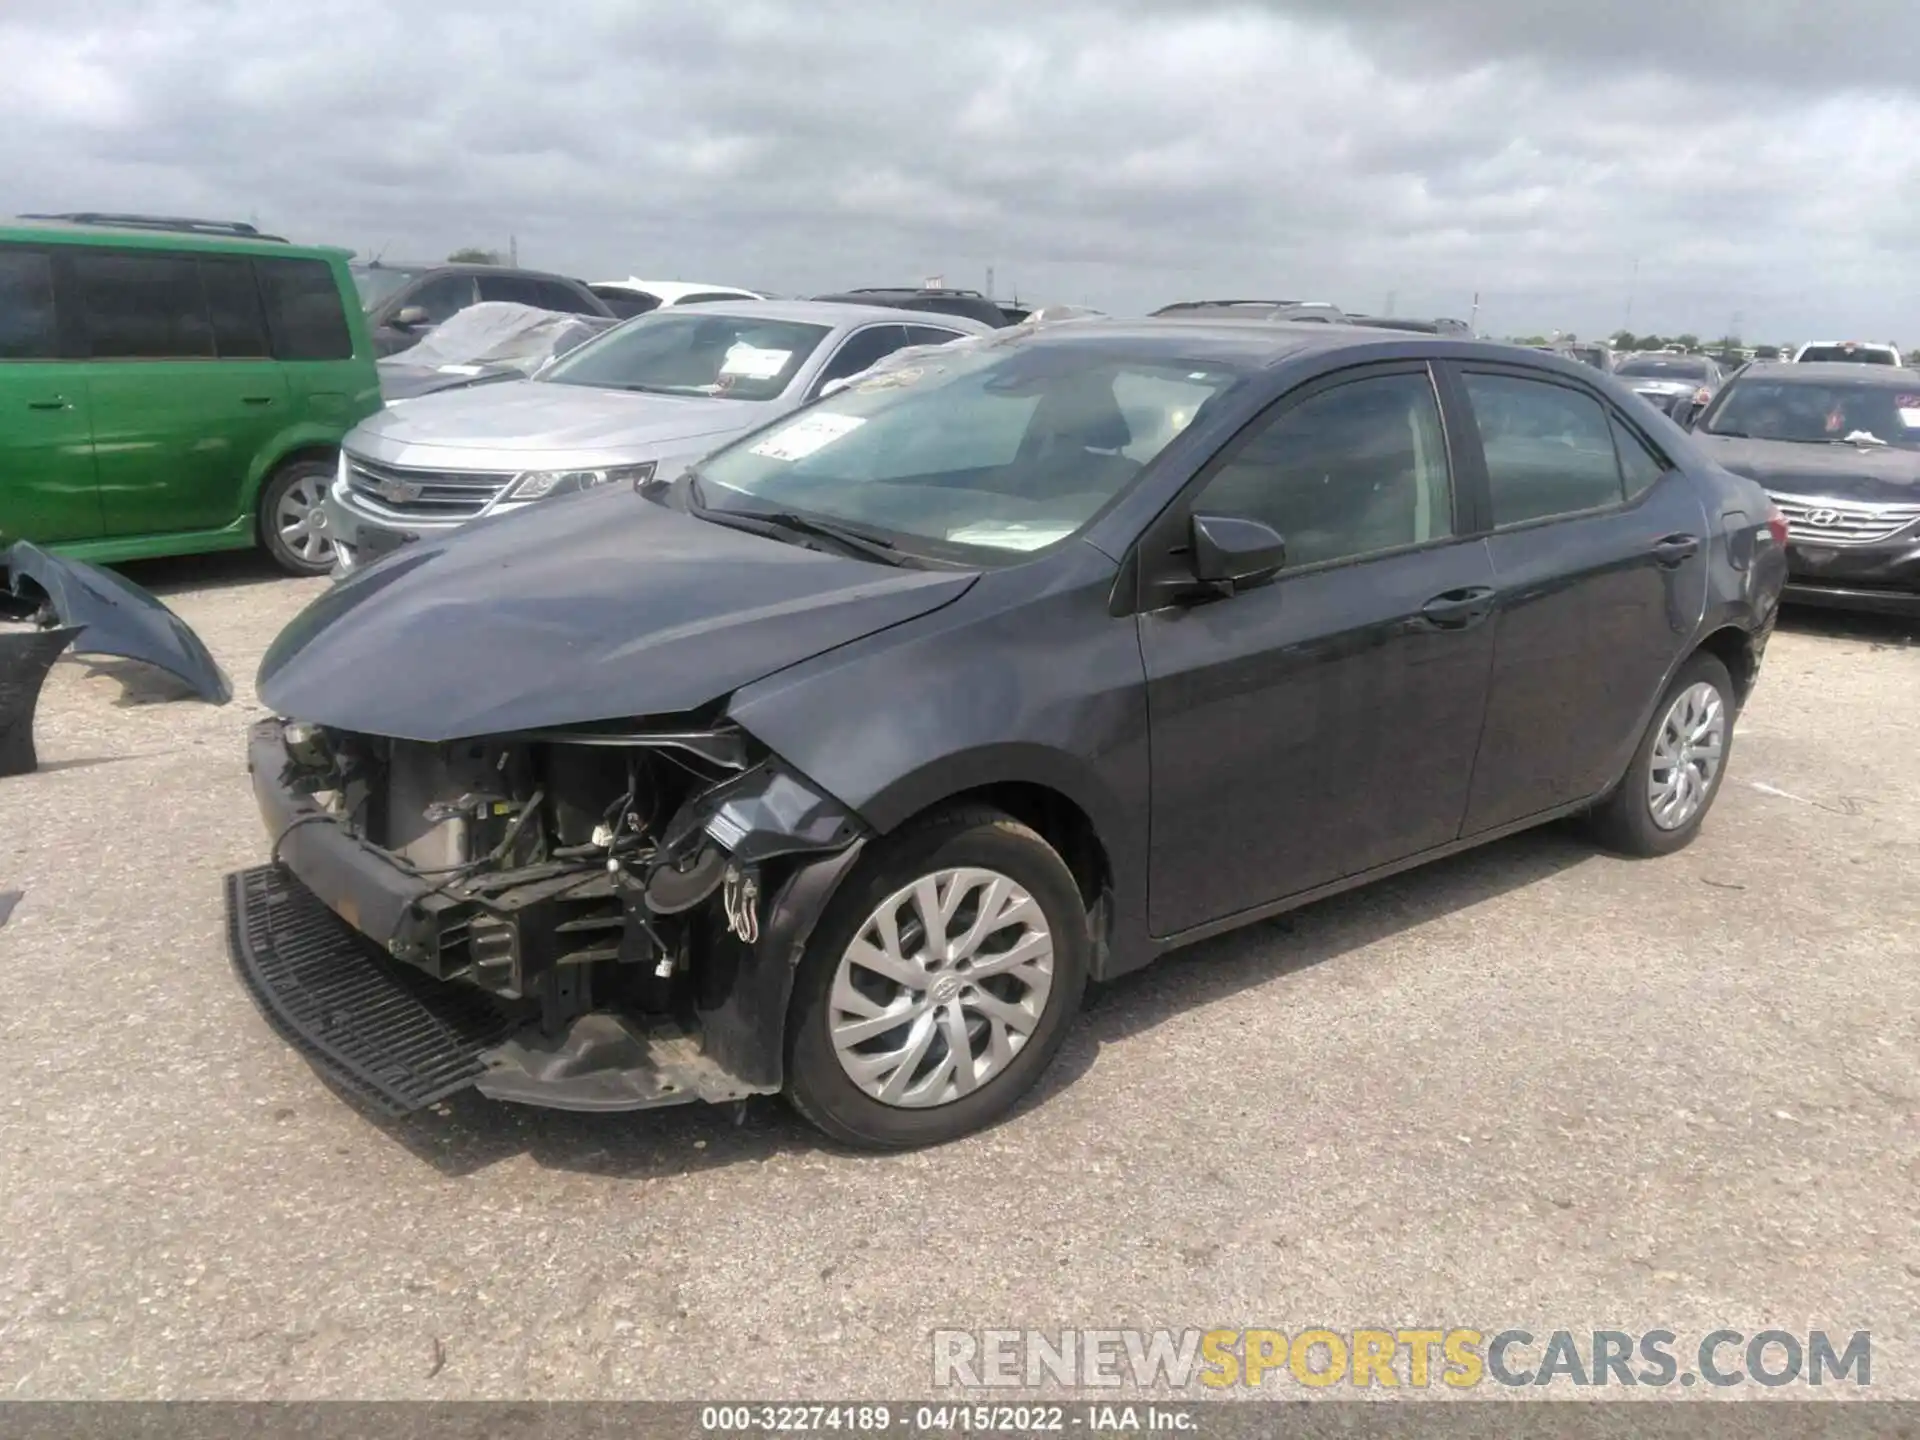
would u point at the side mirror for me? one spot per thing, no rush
(411, 317)
(1231, 553)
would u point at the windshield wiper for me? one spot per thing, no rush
(774, 522)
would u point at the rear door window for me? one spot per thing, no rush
(28, 330)
(928, 335)
(305, 314)
(142, 305)
(1549, 448)
(1640, 468)
(233, 306)
(861, 349)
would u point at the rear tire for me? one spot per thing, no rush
(982, 1007)
(1658, 807)
(292, 520)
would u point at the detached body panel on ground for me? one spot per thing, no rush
(840, 766)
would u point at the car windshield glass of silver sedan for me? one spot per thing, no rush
(1764, 409)
(1675, 369)
(376, 282)
(731, 357)
(990, 450)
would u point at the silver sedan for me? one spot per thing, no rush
(646, 397)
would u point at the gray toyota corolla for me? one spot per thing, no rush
(841, 763)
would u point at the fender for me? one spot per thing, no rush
(302, 435)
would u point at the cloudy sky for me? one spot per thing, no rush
(1757, 159)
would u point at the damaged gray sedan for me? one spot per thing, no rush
(841, 763)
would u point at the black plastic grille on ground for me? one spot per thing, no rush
(394, 1037)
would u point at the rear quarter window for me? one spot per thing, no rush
(305, 313)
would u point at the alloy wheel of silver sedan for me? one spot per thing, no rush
(941, 987)
(301, 520)
(1686, 755)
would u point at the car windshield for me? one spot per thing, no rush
(1766, 409)
(376, 282)
(978, 456)
(1856, 354)
(1678, 368)
(674, 352)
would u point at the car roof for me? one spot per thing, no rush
(22, 229)
(671, 290)
(461, 267)
(834, 313)
(1828, 372)
(1254, 344)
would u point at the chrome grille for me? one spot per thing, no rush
(1827, 522)
(422, 494)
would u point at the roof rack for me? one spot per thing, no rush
(176, 224)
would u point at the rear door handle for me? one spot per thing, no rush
(1458, 609)
(58, 402)
(1676, 548)
(257, 399)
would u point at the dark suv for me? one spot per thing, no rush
(970, 303)
(404, 302)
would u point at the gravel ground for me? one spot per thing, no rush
(1533, 1086)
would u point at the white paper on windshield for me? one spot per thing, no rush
(1009, 535)
(461, 369)
(1910, 418)
(806, 435)
(750, 362)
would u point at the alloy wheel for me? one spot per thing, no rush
(301, 520)
(941, 987)
(1686, 756)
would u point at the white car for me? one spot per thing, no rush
(634, 296)
(1849, 350)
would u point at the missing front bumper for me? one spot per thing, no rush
(398, 1040)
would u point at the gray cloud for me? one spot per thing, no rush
(1753, 159)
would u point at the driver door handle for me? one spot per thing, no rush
(1676, 548)
(58, 402)
(1459, 609)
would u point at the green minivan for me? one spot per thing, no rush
(171, 386)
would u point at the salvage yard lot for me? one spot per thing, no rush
(1533, 1086)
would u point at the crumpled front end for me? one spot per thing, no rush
(590, 918)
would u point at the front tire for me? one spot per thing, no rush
(1677, 769)
(939, 986)
(293, 524)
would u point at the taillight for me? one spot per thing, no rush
(1776, 524)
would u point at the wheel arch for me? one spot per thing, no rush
(1056, 796)
(296, 445)
(1734, 648)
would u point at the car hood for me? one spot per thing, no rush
(602, 606)
(1837, 472)
(538, 416)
